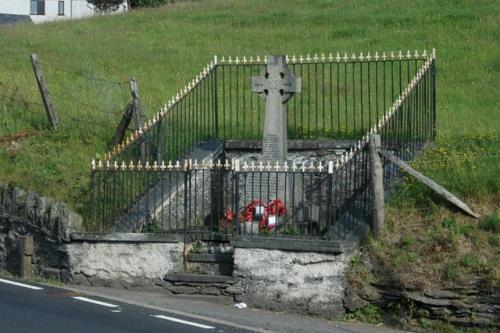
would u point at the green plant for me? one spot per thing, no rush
(370, 314)
(196, 247)
(451, 271)
(356, 260)
(494, 240)
(291, 230)
(151, 227)
(469, 260)
(492, 222)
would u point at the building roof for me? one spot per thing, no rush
(6, 19)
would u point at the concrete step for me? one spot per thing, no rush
(198, 278)
(213, 258)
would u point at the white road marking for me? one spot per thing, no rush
(183, 322)
(116, 311)
(20, 284)
(85, 299)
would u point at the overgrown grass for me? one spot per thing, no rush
(165, 47)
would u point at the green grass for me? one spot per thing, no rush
(165, 47)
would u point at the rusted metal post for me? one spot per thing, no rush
(377, 184)
(26, 256)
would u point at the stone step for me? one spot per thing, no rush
(199, 278)
(210, 258)
(201, 284)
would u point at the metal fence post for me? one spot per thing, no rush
(377, 184)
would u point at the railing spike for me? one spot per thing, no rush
(277, 166)
(237, 165)
(320, 167)
(93, 164)
(139, 166)
(416, 54)
(131, 166)
(287, 58)
(345, 57)
(424, 54)
(265, 59)
(170, 166)
(303, 167)
(337, 165)
(294, 59)
(308, 58)
(155, 166)
(408, 54)
(229, 60)
(268, 166)
(301, 59)
(323, 58)
(258, 59)
(163, 166)
(330, 57)
(227, 165)
(219, 164)
(368, 56)
(237, 60)
(285, 166)
(315, 59)
(392, 55)
(330, 166)
(147, 166)
(433, 53)
(223, 60)
(245, 166)
(353, 57)
(178, 165)
(245, 60)
(384, 56)
(261, 166)
(252, 166)
(361, 58)
(400, 55)
(294, 167)
(215, 59)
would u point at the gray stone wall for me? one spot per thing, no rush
(48, 221)
(303, 282)
(129, 263)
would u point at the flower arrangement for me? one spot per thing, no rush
(268, 213)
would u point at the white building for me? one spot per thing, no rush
(51, 10)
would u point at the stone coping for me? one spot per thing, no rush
(124, 237)
(293, 244)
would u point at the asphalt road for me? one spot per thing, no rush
(48, 309)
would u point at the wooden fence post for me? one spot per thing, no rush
(44, 91)
(137, 113)
(26, 257)
(377, 184)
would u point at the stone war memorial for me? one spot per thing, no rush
(260, 166)
(256, 181)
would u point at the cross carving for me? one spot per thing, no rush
(276, 86)
(277, 81)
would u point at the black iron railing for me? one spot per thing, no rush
(394, 96)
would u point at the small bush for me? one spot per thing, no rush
(451, 271)
(370, 314)
(492, 223)
(469, 261)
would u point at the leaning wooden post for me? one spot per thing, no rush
(377, 184)
(44, 91)
(137, 113)
(26, 257)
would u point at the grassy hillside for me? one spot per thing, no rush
(165, 47)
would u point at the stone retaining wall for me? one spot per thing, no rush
(124, 260)
(303, 282)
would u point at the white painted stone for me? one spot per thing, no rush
(124, 261)
(303, 281)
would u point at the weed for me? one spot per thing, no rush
(469, 261)
(152, 227)
(356, 260)
(291, 230)
(370, 314)
(196, 247)
(492, 223)
(451, 271)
